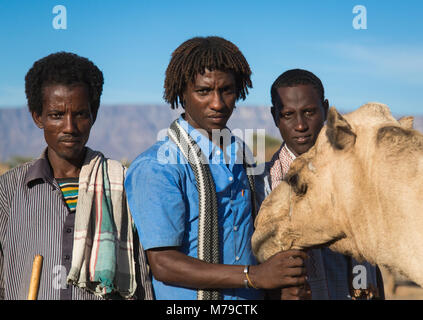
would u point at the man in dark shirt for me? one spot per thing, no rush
(299, 111)
(48, 205)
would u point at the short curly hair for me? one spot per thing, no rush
(199, 53)
(294, 77)
(63, 68)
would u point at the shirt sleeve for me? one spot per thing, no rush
(156, 202)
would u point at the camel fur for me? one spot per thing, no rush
(358, 190)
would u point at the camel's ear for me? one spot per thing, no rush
(339, 131)
(406, 122)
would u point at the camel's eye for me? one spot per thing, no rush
(293, 180)
(299, 188)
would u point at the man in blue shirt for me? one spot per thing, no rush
(190, 196)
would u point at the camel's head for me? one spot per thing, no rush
(273, 232)
(326, 184)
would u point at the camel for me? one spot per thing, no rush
(358, 190)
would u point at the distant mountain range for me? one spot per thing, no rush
(121, 131)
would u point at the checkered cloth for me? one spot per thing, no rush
(103, 256)
(279, 165)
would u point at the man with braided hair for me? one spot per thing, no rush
(190, 196)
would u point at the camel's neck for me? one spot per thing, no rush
(388, 204)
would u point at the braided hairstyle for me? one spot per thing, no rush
(67, 69)
(291, 78)
(199, 53)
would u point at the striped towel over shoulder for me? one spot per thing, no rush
(103, 255)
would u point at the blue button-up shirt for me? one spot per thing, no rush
(163, 198)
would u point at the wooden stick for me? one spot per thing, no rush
(35, 277)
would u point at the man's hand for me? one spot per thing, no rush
(284, 269)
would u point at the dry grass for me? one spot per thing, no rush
(271, 146)
(3, 168)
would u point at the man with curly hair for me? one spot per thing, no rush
(191, 195)
(69, 206)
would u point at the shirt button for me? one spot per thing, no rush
(236, 228)
(236, 258)
(69, 230)
(218, 152)
(67, 257)
(230, 178)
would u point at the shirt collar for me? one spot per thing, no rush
(278, 155)
(291, 154)
(209, 149)
(39, 169)
(202, 141)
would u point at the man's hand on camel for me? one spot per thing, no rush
(284, 269)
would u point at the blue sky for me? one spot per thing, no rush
(131, 42)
